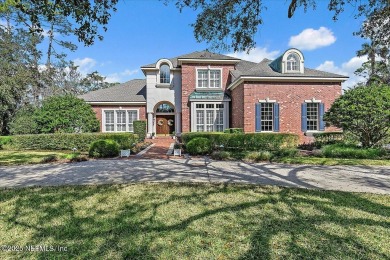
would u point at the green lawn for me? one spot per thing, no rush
(331, 161)
(8, 157)
(177, 221)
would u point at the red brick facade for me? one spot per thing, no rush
(99, 111)
(189, 85)
(290, 96)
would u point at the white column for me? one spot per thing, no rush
(178, 123)
(150, 123)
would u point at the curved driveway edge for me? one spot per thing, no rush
(343, 178)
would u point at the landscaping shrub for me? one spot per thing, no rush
(247, 141)
(104, 148)
(233, 131)
(140, 129)
(258, 156)
(4, 140)
(352, 152)
(287, 152)
(199, 146)
(65, 141)
(321, 139)
(220, 155)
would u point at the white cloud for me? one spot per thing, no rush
(256, 55)
(310, 39)
(347, 68)
(85, 65)
(120, 76)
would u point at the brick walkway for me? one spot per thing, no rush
(160, 148)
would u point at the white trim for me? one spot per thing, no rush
(300, 61)
(225, 114)
(117, 103)
(115, 119)
(283, 79)
(267, 100)
(208, 78)
(162, 61)
(313, 100)
(210, 61)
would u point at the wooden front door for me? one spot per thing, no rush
(165, 124)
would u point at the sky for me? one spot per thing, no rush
(143, 31)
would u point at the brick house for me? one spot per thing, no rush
(204, 91)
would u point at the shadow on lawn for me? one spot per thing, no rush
(195, 221)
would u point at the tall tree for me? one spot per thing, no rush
(16, 62)
(89, 16)
(232, 24)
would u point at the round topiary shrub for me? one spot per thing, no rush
(104, 148)
(199, 146)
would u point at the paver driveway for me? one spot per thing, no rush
(346, 178)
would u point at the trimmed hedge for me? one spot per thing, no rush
(104, 149)
(328, 138)
(4, 140)
(66, 141)
(246, 142)
(140, 129)
(233, 131)
(199, 146)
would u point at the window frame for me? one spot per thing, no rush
(317, 120)
(272, 104)
(296, 62)
(209, 79)
(167, 77)
(126, 123)
(206, 109)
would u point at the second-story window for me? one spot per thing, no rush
(165, 74)
(209, 78)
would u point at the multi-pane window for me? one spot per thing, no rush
(199, 117)
(267, 116)
(119, 120)
(209, 117)
(215, 79)
(292, 62)
(165, 74)
(312, 116)
(209, 78)
(110, 120)
(203, 78)
(132, 116)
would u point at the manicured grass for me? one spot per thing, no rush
(177, 221)
(8, 157)
(331, 161)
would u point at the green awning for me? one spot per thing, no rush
(209, 95)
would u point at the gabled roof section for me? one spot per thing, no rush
(130, 91)
(195, 56)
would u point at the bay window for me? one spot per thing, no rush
(209, 117)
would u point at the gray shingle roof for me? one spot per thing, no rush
(195, 55)
(130, 91)
(263, 69)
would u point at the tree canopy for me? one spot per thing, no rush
(66, 114)
(364, 111)
(232, 24)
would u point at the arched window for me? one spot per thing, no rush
(292, 62)
(165, 108)
(165, 74)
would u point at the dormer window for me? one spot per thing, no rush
(293, 63)
(165, 74)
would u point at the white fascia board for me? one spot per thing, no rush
(116, 103)
(284, 79)
(210, 61)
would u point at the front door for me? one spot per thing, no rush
(165, 124)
